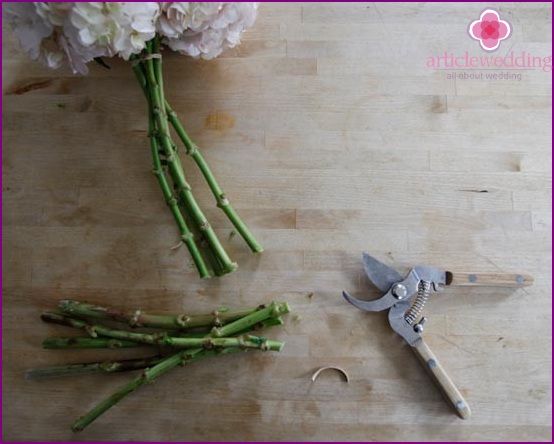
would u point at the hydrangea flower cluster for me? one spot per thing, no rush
(204, 29)
(74, 33)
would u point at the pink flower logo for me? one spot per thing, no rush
(489, 30)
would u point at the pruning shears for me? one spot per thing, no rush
(406, 297)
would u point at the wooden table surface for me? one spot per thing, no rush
(331, 137)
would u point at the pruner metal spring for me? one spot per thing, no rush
(415, 310)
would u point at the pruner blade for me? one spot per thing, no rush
(383, 277)
(380, 275)
(384, 302)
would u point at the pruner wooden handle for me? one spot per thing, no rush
(514, 280)
(442, 380)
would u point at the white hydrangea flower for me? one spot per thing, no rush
(55, 13)
(75, 33)
(172, 21)
(31, 30)
(205, 29)
(45, 32)
(122, 28)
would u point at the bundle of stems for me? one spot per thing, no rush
(195, 230)
(178, 340)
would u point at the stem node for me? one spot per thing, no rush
(187, 237)
(135, 320)
(91, 330)
(183, 320)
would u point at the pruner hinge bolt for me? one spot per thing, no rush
(418, 328)
(399, 291)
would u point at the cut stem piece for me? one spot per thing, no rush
(93, 367)
(162, 339)
(139, 318)
(87, 343)
(274, 310)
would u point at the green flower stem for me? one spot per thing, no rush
(138, 318)
(172, 202)
(214, 261)
(222, 201)
(155, 87)
(93, 367)
(202, 242)
(148, 375)
(267, 323)
(237, 328)
(77, 343)
(162, 339)
(84, 343)
(117, 366)
(186, 235)
(140, 72)
(274, 310)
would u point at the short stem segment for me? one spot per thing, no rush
(86, 343)
(148, 375)
(163, 339)
(93, 367)
(274, 310)
(139, 318)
